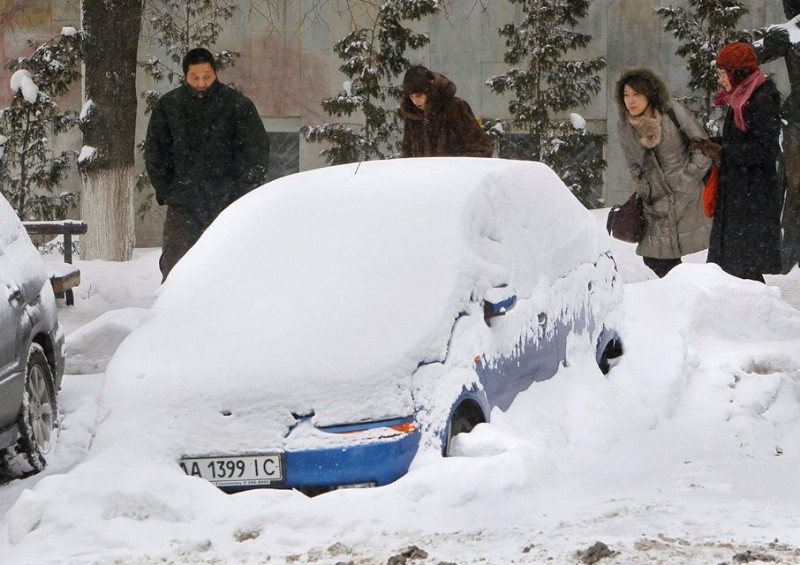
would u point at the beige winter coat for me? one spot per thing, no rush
(671, 185)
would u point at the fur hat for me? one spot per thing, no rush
(418, 80)
(735, 56)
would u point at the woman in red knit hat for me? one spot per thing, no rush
(745, 234)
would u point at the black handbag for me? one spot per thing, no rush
(626, 221)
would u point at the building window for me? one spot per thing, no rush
(517, 146)
(284, 154)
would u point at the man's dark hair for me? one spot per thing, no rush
(197, 56)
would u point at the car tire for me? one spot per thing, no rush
(611, 354)
(464, 419)
(37, 419)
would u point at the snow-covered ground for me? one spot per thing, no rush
(686, 452)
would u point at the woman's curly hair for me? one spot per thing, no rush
(643, 81)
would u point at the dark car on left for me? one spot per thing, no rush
(31, 352)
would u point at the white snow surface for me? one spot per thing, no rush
(18, 259)
(86, 109)
(577, 121)
(793, 27)
(686, 452)
(87, 154)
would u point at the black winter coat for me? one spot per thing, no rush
(745, 235)
(202, 153)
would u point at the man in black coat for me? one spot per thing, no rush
(206, 146)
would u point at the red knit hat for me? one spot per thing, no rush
(737, 56)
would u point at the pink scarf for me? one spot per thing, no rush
(740, 95)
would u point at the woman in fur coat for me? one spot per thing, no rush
(437, 123)
(746, 235)
(655, 134)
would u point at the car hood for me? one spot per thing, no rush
(319, 295)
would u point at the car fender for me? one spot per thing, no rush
(439, 393)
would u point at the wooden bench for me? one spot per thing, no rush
(63, 276)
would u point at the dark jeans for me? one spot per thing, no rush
(661, 266)
(182, 229)
(753, 276)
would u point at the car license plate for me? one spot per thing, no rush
(240, 470)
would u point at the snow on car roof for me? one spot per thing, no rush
(17, 253)
(351, 275)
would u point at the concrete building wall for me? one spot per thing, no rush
(287, 65)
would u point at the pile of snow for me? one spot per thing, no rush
(792, 27)
(22, 81)
(686, 452)
(325, 291)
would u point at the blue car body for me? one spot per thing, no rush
(365, 314)
(497, 383)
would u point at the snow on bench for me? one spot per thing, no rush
(63, 276)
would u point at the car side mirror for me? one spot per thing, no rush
(498, 301)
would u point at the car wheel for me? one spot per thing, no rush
(611, 354)
(37, 419)
(464, 419)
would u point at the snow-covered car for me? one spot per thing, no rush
(31, 351)
(333, 324)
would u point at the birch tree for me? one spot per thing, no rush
(108, 124)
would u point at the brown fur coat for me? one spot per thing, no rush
(446, 127)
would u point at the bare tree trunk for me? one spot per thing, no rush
(106, 205)
(109, 127)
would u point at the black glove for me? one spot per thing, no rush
(709, 148)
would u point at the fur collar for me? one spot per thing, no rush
(647, 126)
